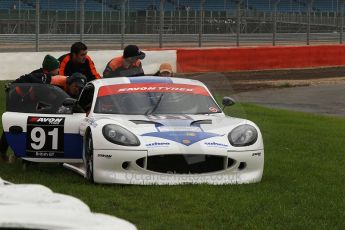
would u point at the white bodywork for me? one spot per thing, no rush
(108, 157)
(109, 169)
(37, 207)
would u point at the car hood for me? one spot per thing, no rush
(171, 130)
(141, 124)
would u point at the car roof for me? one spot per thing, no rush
(145, 79)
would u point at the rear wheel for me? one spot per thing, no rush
(89, 158)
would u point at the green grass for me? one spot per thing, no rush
(303, 183)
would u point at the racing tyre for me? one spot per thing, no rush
(89, 158)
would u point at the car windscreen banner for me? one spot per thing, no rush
(152, 88)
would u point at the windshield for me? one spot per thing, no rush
(133, 99)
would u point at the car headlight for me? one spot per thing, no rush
(243, 135)
(119, 135)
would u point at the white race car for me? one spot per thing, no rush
(139, 130)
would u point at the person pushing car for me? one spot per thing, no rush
(127, 65)
(50, 66)
(77, 61)
(71, 85)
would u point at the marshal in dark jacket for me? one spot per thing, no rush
(68, 67)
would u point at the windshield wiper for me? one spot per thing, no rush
(151, 111)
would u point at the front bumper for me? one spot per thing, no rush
(122, 167)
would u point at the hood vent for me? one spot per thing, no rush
(201, 122)
(145, 122)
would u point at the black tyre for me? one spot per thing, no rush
(89, 158)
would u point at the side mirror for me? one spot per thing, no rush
(69, 102)
(228, 101)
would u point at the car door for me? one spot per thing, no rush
(34, 127)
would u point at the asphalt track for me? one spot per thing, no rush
(321, 99)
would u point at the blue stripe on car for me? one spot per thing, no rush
(17, 143)
(73, 145)
(183, 137)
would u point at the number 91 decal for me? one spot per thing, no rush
(45, 137)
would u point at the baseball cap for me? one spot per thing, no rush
(133, 51)
(165, 67)
(79, 78)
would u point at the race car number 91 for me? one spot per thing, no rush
(45, 137)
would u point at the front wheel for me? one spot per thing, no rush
(89, 158)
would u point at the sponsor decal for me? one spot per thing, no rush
(92, 122)
(213, 109)
(105, 156)
(45, 137)
(190, 130)
(186, 142)
(45, 120)
(190, 134)
(44, 155)
(151, 87)
(154, 89)
(216, 145)
(158, 144)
